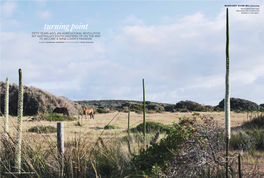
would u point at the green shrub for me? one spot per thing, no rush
(238, 111)
(240, 104)
(136, 107)
(184, 110)
(203, 108)
(57, 117)
(158, 155)
(256, 123)
(249, 140)
(147, 102)
(138, 112)
(112, 127)
(184, 121)
(151, 127)
(257, 137)
(43, 129)
(189, 105)
(240, 140)
(159, 111)
(218, 109)
(137, 137)
(100, 110)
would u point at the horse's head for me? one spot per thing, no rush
(83, 109)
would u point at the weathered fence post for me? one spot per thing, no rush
(128, 122)
(6, 106)
(60, 143)
(227, 95)
(144, 111)
(19, 124)
(239, 166)
(128, 131)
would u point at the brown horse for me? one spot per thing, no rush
(62, 110)
(89, 111)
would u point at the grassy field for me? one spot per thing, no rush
(94, 126)
(92, 129)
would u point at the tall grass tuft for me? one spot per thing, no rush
(255, 123)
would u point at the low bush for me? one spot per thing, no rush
(136, 107)
(257, 137)
(43, 129)
(138, 111)
(240, 104)
(151, 127)
(159, 111)
(248, 140)
(240, 140)
(189, 105)
(218, 109)
(184, 110)
(57, 117)
(184, 121)
(161, 157)
(112, 127)
(100, 110)
(256, 123)
(147, 102)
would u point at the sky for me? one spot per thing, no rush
(178, 47)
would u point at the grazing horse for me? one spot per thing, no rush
(89, 111)
(62, 110)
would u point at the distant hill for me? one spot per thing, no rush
(120, 104)
(35, 101)
(38, 101)
(241, 104)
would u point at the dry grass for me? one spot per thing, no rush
(93, 128)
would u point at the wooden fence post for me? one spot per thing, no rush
(19, 124)
(60, 143)
(6, 107)
(239, 166)
(144, 111)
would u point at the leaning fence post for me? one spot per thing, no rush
(60, 143)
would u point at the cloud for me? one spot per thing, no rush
(132, 20)
(182, 59)
(41, 2)
(8, 8)
(190, 53)
(44, 14)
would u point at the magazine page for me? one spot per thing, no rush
(132, 88)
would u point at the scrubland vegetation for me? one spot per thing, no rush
(192, 146)
(188, 144)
